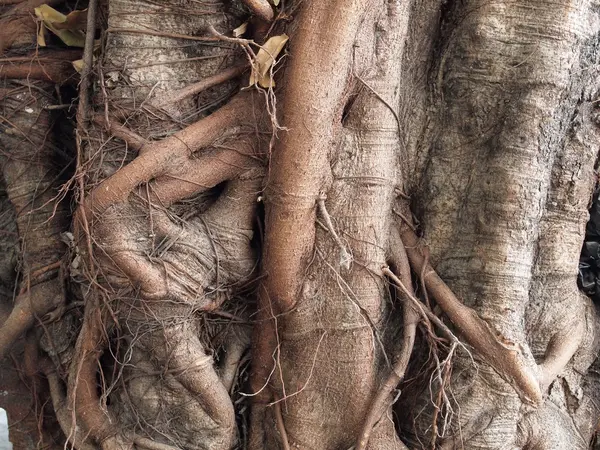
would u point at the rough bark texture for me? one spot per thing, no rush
(426, 170)
(503, 205)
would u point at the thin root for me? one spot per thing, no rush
(508, 362)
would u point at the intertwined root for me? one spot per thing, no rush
(178, 268)
(31, 168)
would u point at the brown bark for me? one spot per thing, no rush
(425, 169)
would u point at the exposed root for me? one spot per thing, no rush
(381, 401)
(505, 357)
(261, 8)
(34, 303)
(206, 83)
(161, 156)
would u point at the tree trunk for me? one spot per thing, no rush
(375, 246)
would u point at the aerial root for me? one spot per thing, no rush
(74, 434)
(426, 314)
(59, 72)
(32, 303)
(161, 156)
(133, 140)
(559, 351)
(204, 172)
(82, 392)
(140, 144)
(381, 401)
(149, 444)
(21, 318)
(201, 380)
(235, 348)
(506, 358)
(345, 256)
(203, 85)
(281, 426)
(178, 349)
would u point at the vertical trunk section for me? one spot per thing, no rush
(504, 208)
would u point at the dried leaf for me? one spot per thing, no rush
(265, 81)
(41, 37)
(275, 2)
(265, 58)
(78, 65)
(54, 20)
(75, 20)
(239, 31)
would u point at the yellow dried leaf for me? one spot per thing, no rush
(239, 31)
(264, 60)
(265, 81)
(78, 65)
(54, 20)
(49, 14)
(275, 2)
(41, 38)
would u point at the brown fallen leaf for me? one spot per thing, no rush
(68, 32)
(265, 58)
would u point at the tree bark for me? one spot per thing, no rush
(375, 247)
